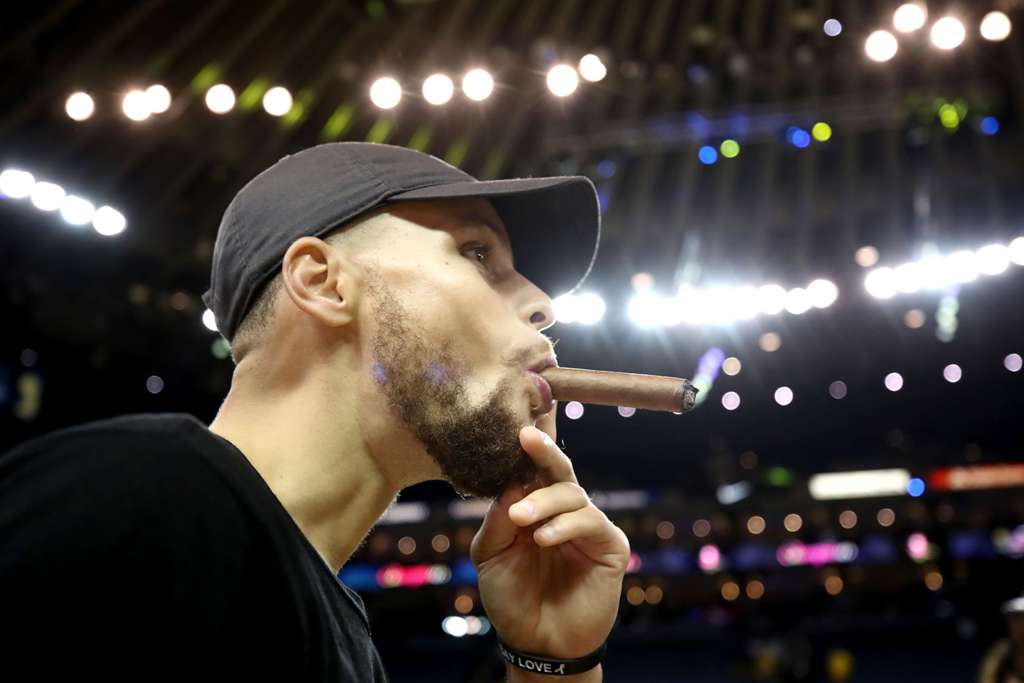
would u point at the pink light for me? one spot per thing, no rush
(709, 558)
(634, 563)
(917, 546)
(815, 554)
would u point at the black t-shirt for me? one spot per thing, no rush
(146, 547)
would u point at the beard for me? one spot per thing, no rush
(476, 448)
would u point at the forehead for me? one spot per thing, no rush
(453, 214)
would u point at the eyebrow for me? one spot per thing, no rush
(473, 220)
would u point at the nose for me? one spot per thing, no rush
(537, 307)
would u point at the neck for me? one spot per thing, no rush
(316, 462)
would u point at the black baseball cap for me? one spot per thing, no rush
(554, 223)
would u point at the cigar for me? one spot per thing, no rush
(647, 392)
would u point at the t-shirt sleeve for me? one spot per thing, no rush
(126, 556)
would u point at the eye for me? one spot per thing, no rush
(478, 249)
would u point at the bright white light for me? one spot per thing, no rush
(135, 106)
(881, 46)
(730, 400)
(477, 84)
(1013, 362)
(591, 308)
(832, 27)
(894, 381)
(562, 80)
(859, 484)
(644, 309)
(592, 68)
(909, 17)
(933, 272)
(952, 373)
(79, 106)
(881, 283)
(783, 396)
(908, 277)
(823, 293)
(210, 320)
(565, 308)
(993, 259)
(626, 411)
(948, 33)
(866, 256)
(995, 26)
(438, 89)
(158, 99)
(771, 299)
(798, 301)
(47, 196)
(16, 184)
(220, 98)
(740, 303)
(692, 305)
(386, 93)
(455, 626)
(1016, 248)
(76, 211)
(963, 266)
(574, 410)
(277, 101)
(108, 221)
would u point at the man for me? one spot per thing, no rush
(1004, 661)
(383, 335)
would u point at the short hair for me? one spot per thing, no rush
(258, 321)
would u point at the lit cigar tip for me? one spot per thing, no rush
(689, 395)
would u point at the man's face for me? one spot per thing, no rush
(454, 328)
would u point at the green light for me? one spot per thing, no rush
(206, 77)
(380, 130)
(301, 105)
(949, 116)
(253, 94)
(779, 476)
(339, 122)
(376, 9)
(492, 167)
(220, 348)
(420, 139)
(729, 148)
(703, 385)
(821, 131)
(457, 152)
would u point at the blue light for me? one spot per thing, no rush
(707, 155)
(915, 487)
(606, 168)
(990, 125)
(798, 137)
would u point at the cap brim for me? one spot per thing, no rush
(554, 224)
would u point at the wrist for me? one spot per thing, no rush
(516, 675)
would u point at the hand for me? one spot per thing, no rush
(557, 595)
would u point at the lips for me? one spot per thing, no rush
(547, 403)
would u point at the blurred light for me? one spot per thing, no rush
(729, 148)
(798, 137)
(79, 106)
(963, 266)
(783, 396)
(606, 168)
(894, 381)
(989, 125)
(995, 26)
(464, 604)
(438, 89)
(755, 590)
(858, 484)
(635, 596)
(47, 196)
(821, 131)
(917, 546)
(574, 410)
(440, 543)
(707, 155)
(729, 494)
(771, 299)
(881, 283)
(154, 384)
(793, 522)
(386, 93)
(592, 68)
(730, 400)
(833, 585)
(881, 46)
(158, 99)
(730, 590)
(654, 594)
(886, 517)
(477, 84)
(277, 101)
(709, 558)
(701, 528)
(642, 282)
(77, 211)
(770, 342)
(947, 33)
(909, 277)
(822, 293)
(220, 98)
(915, 487)
(562, 80)
(665, 530)
(837, 389)
(756, 524)
(209, 320)
(731, 366)
(455, 626)
(909, 17)
(933, 580)
(847, 519)
(407, 545)
(1013, 362)
(16, 184)
(108, 221)
(866, 256)
(795, 553)
(993, 259)
(949, 116)
(914, 318)
(952, 373)
(779, 476)
(832, 27)
(135, 105)
(220, 348)
(590, 308)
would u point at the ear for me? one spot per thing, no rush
(321, 281)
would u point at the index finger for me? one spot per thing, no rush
(551, 462)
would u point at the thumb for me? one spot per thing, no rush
(497, 532)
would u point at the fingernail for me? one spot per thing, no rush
(547, 439)
(525, 508)
(547, 533)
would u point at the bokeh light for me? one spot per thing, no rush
(866, 256)
(1013, 362)
(158, 98)
(16, 184)
(886, 517)
(832, 27)
(76, 210)
(574, 410)
(220, 98)
(770, 342)
(837, 389)
(833, 585)
(914, 318)
(386, 93)
(730, 400)
(707, 155)
(894, 381)
(438, 89)
(277, 101)
(915, 487)
(79, 106)
(783, 396)
(755, 590)
(562, 80)
(821, 131)
(948, 33)
(477, 84)
(756, 524)
(135, 105)
(108, 221)
(909, 17)
(847, 519)
(209, 320)
(952, 373)
(793, 522)
(592, 68)
(995, 26)
(730, 590)
(46, 196)
(732, 366)
(881, 46)
(729, 148)
(154, 384)
(626, 411)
